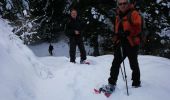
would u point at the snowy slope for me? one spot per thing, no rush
(19, 69)
(23, 76)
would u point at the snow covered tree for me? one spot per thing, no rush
(44, 20)
(49, 16)
(156, 14)
(35, 20)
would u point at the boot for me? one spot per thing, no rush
(136, 84)
(108, 88)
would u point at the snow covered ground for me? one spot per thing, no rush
(23, 76)
(76, 82)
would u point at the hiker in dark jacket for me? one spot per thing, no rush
(73, 31)
(50, 49)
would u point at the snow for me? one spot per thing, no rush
(101, 18)
(24, 76)
(97, 15)
(158, 1)
(25, 13)
(156, 11)
(165, 32)
(30, 25)
(47, 4)
(19, 69)
(164, 4)
(94, 13)
(168, 4)
(76, 82)
(9, 4)
(25, 4)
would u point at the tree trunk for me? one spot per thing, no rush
(96, 46)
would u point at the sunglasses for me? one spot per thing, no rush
(123, 3)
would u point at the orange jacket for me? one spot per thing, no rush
(134, 28)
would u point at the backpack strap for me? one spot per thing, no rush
(129, 16)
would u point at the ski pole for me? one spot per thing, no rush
(124, 70)
(122, 74)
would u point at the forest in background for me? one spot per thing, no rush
(37, 21)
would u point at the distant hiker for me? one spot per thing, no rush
(74, 32)
(127, 42)
(50, 49)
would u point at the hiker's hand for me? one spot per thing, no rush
(115, 39)
(126, 33)
(77, 32)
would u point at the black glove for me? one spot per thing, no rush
(124, 34)
(127, 33)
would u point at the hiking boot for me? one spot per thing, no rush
(84, 62)
(136, 84)
(107, 88)
(72, 61)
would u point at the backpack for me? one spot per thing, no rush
(144, 32)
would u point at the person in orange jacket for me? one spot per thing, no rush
(127, 29)
(127, 40)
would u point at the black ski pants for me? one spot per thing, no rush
(77, 41)
(131, 53)
(50, 52)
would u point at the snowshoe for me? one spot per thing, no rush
(84, 62)
(106, 89)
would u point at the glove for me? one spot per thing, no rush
(77, 32)
(124, 34)
(115, 39)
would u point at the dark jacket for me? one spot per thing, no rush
(50, 47)
(71, 26)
